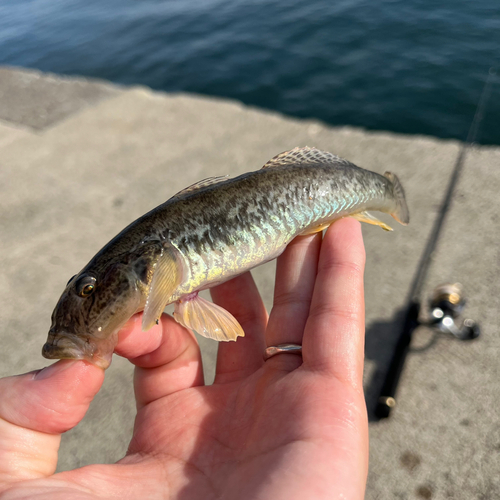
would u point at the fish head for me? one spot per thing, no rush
(93, 307)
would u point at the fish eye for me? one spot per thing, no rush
(85, 286)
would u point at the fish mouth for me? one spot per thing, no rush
(70, 346)
(64, 346)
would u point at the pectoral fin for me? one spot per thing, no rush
(370, 219)
(166, 278)
(207, 319)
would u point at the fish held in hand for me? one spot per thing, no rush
(207, 234)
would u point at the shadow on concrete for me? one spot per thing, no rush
(380, 341)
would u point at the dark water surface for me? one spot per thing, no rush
(411, 66)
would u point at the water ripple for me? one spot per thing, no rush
(406, 66)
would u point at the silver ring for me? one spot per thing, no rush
(282, 348)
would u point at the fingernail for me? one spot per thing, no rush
(55, 369)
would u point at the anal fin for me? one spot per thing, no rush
(207, 319)
(370, 219)
(316, 229)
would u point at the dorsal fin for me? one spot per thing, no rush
(303, 156)
(209, 181)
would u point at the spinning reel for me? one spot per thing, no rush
(446, 304)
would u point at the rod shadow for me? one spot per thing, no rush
(380, 342)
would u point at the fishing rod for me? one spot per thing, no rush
(447, 302)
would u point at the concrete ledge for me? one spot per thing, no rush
(81, 159)
(34, 99)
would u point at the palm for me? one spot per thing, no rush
(276, 429)
(222, 437)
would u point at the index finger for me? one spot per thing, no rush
(167, 358)
(334, 334)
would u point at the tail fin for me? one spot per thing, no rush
(401, 214)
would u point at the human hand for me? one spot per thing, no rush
(287, 428)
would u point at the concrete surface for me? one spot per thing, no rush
(56, 97)
(81, 159)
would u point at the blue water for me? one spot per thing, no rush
(410, 66)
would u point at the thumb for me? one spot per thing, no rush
(35, 408)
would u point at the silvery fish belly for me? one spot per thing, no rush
(205, 235)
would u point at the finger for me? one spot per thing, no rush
(35, 408)
(295, 275)
(167, 358)
(334, 337)
(236, 360)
